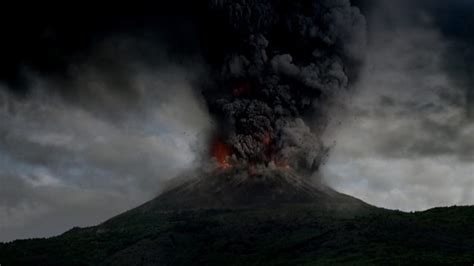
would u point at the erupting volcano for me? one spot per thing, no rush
(275, 68)
(254, 83)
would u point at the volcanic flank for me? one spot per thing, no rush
(236, 188)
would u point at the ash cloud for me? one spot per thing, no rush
(281, 64)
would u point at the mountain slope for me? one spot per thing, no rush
(219, 220)
(238, 189)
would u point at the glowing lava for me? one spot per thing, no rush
(221, 152)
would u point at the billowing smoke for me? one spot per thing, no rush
(276, 67)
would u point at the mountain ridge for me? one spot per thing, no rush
(305, 224)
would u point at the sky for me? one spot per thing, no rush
(407, 141)
(96, 116)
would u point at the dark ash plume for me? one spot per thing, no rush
(275, 65)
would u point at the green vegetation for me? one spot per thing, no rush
(298, 234)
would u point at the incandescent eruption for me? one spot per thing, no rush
(222, 153)
(276, 67)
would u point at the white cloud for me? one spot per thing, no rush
(405, 142)
(68, 162)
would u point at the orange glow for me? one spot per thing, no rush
(266, 139)
(221, 152)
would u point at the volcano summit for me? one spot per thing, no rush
(237, 189)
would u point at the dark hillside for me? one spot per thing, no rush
(303, 230)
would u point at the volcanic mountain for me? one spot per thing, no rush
(271, 217)
(237, 188)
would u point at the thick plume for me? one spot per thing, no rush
(276, 67)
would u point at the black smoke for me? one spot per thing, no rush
(276, 66)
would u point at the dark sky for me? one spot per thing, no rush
(97, 109)
(50, 37)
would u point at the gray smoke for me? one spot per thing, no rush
(282, 64)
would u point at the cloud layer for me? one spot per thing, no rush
(74, 157)
(407, 141)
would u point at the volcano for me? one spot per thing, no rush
(271, 217)
(236, 188)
